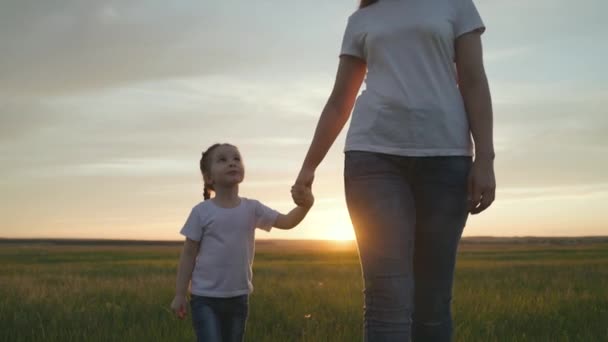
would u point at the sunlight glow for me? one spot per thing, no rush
(340, 230)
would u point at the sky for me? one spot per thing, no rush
(106, 106)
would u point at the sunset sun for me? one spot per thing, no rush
(340, 230)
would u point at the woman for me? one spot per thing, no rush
(410, 176)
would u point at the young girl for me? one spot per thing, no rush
(218, 252)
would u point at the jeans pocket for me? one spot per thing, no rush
(449, 171)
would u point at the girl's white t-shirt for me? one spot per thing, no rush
(411, 104)
(226, 235)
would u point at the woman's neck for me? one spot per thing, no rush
(227, 197)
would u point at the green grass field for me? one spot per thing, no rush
(304, 292)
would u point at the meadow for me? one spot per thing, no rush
(304, 291)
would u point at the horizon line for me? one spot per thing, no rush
(496, 237)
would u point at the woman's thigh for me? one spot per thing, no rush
(380, 203)
(440, 193)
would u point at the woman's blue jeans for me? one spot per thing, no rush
(408, 214)
(219, 319)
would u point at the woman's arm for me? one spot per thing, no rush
(473, 85)
(349, 77)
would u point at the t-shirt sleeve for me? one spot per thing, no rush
(193, 228)
(352, 41)
(468, 19)
(265, 217)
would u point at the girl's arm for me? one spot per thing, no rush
(184, 274)
(292, 219)
(336, 112)
(304, 200)
(186, 265)
(473, 85)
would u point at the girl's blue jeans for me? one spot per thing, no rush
(408, 214)
(219, 319)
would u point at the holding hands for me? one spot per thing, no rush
(302, 196)
(301, 191)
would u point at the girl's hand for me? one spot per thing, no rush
(481, 185)
(179, 305)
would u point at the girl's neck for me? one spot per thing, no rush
(227, 197)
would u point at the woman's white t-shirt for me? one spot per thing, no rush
(411, 104)
(226, 235)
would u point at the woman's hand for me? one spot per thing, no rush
(179, 305)
(481, 185)
(305, 178)
(301, 191)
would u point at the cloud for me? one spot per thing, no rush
(552, 142)
(504, 54)
(539, 21)
(580, 191)
(70, 46)
(155, 128)
(74, 45)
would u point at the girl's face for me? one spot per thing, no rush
(226, 166)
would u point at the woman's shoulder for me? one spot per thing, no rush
(360, 13)
(375, 10)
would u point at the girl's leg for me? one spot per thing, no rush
(205, 319)
(234, 318)
(381, 207)
(440, 192)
